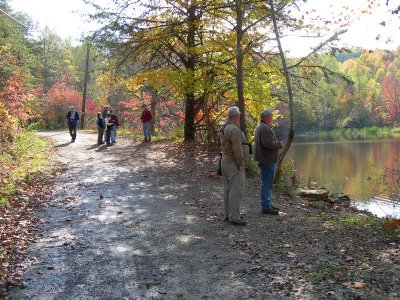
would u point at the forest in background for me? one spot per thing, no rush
(40, 78)
(189, 61)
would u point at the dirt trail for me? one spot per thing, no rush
(158, 233)
(138, 242)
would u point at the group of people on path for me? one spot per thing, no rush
(107, 124)
(235, 150)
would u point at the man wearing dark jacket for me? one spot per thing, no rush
(266, 154)
(72, 122)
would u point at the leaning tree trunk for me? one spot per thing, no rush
(289, 91)
(239, 66)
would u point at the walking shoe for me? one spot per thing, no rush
(238, 222)
(270, 211)
(275, 208)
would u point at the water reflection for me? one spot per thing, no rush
(365, 170)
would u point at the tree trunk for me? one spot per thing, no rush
(239, 66)
(153, 109)
(190, 114)
(289, 91)
(85, 83)
(189, 130)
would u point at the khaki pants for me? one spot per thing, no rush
(233, 183)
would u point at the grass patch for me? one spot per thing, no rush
(251, 168)
(22, 162)
(358, 221)
(288, 180)
(322, 272)
(322, 205)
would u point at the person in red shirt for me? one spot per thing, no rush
(146, 118)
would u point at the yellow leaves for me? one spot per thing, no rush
(157, 79)
(4, 49)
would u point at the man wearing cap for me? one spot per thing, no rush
(234, 152)
(266, 150)
(72, 122)
(146, 119)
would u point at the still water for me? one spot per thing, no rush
(367, 171)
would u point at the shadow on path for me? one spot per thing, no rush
(120, 228)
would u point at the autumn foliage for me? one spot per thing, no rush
(8, 126)
(56, 103)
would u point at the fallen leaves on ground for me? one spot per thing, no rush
(17, 221)
(339, 276)
(391, 224)
(356, 285)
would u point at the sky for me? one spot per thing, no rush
(363, 18)
(65, 17)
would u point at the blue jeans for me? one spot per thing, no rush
(146, 130)
(267, 180)
(113, 133)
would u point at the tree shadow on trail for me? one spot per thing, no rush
(93, 146)
(99, 148)
(64, 144)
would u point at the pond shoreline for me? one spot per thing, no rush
(360, 169)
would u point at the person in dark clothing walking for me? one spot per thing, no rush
(72, 122)
(100, 128)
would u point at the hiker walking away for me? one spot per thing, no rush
(146, 118)
(115, 121)
(266, 154)
(72, 122)
(100, 128)
(108, 126)
(234, 152)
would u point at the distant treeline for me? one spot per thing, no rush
(357, 89)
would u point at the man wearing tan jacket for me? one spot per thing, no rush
(235, 151)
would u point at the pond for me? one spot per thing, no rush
(366, 170)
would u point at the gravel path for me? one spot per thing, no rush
(144, 221)
(117, 229)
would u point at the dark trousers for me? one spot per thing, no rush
(108, 136)
(72, 130)
(100, 135)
